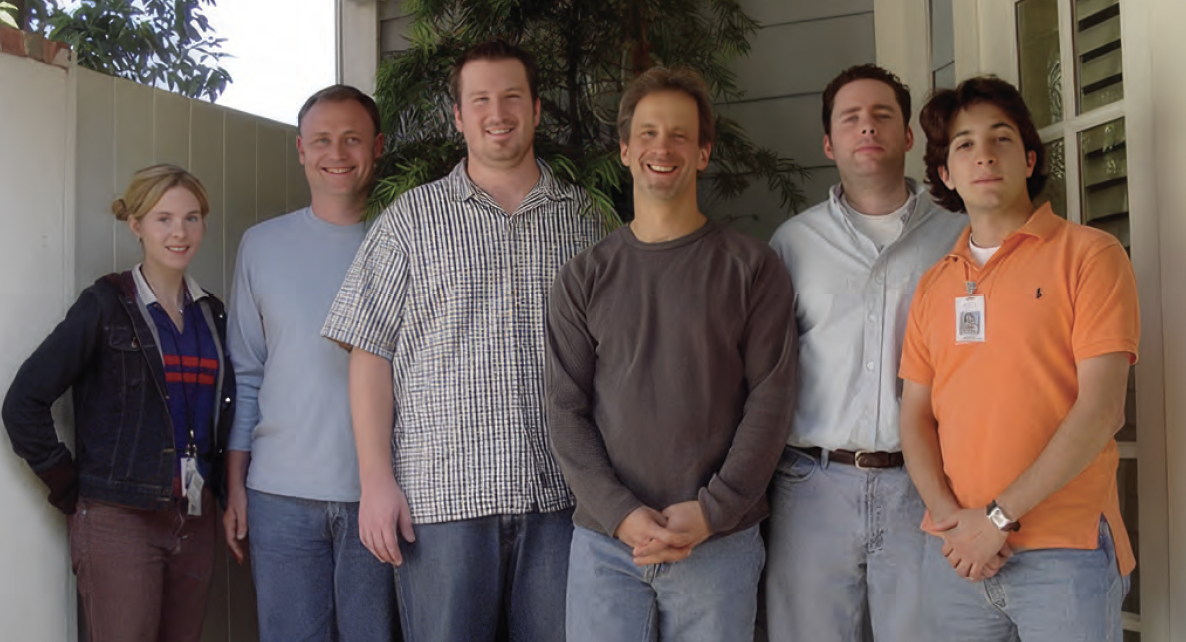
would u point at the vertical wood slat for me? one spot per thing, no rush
(94, 226)
(171, 128)
(206, 152)
(297, 195)
(133, 151)
(239, 167)
(271, 170)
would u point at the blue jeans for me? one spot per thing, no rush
(459, 579)
(845, 553)
(712, 596)
(1052, 595)
(314, 580)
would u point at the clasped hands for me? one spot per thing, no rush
(972, 544)
(667, 536)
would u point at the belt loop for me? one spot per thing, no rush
(824, 457)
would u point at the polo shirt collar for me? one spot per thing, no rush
(148, 297)
(1042, 224)
(462, 188)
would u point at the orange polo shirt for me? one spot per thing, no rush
(1056, 293)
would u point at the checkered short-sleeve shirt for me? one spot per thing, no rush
(453, 291)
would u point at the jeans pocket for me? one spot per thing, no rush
(795, 467)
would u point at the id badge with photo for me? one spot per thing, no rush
(191, 485)
(970, 319)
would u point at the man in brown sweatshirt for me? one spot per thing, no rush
(670, 389)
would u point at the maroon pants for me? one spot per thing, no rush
(144, 576)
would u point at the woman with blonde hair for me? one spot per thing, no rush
(143, 352)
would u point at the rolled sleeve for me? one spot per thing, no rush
(367, 311)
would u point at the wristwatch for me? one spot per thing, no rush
(999, 519)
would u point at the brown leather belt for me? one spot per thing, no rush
(860, 459)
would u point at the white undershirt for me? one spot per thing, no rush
(882, 230)
(981, 254)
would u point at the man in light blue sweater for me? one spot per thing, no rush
(292, 467)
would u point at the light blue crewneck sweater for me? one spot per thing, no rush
(293, 407)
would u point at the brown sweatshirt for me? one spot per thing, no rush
(671, 375)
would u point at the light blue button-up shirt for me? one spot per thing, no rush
(852, 303)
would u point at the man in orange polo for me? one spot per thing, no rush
(1016, 365)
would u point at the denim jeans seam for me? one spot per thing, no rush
(405, 621)
(649, 624)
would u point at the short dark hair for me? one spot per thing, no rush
(946, 104)
(682, 79)
(494, 49)
(342, 93)
(865, 72)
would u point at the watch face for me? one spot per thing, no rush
(998, 518)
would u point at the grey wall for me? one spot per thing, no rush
(801, 45)
(393, 27)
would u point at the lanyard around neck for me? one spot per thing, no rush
(188, 315)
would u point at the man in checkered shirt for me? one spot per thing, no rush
(443, 310)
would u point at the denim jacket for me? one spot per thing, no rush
(106, 351)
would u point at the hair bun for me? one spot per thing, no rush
(120, 209)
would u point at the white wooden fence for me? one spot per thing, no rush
(69, 142)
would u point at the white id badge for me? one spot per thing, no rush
(969, 319)
(192, 484)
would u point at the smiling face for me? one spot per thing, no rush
(338, 147)
(869, 134)
(663, 152)
(171, 231)
(496, 113)
(987, 163)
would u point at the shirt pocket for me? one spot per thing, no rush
(127, 357)
(826, 312)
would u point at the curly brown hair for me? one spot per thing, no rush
(946, 104)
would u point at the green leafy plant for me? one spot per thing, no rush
(8, 15)
(587, 51)
(164, 43)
